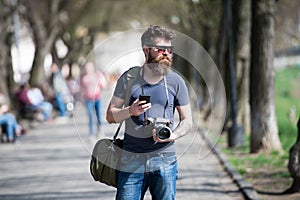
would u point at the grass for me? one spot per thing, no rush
(258, 168)
(244, 162)
(287, 95)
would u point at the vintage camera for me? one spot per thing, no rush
(161, 125)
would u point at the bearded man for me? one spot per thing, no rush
(149, 157)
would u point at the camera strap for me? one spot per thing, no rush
(167, 96)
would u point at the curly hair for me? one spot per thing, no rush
(155, 31)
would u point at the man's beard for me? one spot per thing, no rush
(160, 65)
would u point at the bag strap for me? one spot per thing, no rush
(131, 75)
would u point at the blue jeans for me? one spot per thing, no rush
(60, 104)
(10, 123)
(92, 105)
(46, 108)
(138, 172)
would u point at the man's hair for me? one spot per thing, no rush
(153, 32)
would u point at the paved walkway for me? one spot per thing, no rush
(52, 162)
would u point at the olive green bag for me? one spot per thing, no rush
(107, 153)
(105, 161)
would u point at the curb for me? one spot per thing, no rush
(246, 188)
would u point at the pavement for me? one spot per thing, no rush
(52, 162)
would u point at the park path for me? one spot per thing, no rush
(52, 162)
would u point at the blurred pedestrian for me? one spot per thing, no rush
(92, 84)
(74, 88)
(61, 90)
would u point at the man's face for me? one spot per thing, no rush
(159, 57)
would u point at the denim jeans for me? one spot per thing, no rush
(10, 123)
(60, 104)
(138, 172)
(92, 105)
(46, 108)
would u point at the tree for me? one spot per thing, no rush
(241, 29)
(287, 25)
(6, 12)
(198, 20)
(76, 25)
(241, 16)
(46, 21)
(84, 25)
(264, 130)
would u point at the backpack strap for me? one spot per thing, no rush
(131, 75)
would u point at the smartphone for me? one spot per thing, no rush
(144, 98)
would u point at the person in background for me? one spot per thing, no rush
(74, 88)
(33, 100)
(24, 105)
(38, 102)
(8, 120)
(92, 83)
(61, 90)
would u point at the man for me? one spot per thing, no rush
(148, 161)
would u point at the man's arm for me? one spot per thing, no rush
(116, 113)
(186, 121)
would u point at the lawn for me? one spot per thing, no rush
(287, 98)
(269, 173)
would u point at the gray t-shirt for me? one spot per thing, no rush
(138, 137)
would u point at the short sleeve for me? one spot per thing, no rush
(120, 88)
(182, 96)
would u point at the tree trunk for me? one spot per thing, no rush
(4, 47)
(43, 36)
(222, 43)
(294, 164)
(241, 25)
(222, 62)
(207, 105)
(3, 64)
(264, 130)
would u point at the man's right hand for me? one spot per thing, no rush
(138, 107)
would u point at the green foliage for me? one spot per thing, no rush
(287, 97)
(243, 162)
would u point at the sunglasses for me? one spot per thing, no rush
(162, 49)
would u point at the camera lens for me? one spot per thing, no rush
(164, 133)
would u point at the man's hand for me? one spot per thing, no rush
(138, 107)
(116, 113)
(170, 139)
(184, 126)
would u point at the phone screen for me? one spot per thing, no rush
(144, 98)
